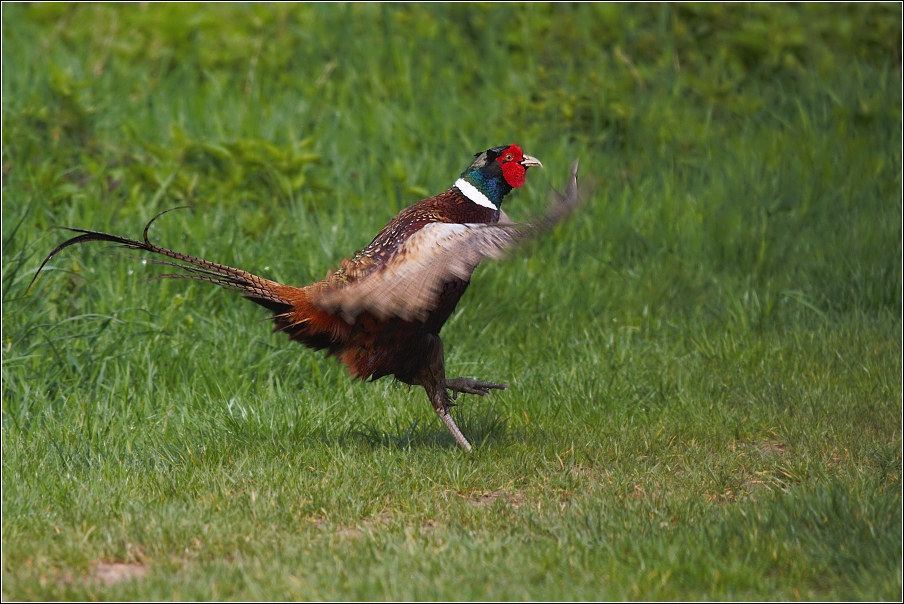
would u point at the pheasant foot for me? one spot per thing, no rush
(465, 385)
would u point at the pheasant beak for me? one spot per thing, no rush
(531, 162)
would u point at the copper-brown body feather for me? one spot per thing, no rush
(373, 346)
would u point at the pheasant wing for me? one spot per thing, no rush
(409, 283)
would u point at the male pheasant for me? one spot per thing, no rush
(381, 312)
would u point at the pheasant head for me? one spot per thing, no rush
(494, 173)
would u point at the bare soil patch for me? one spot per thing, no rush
(111, 573)
(488, 499)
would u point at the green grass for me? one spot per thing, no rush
(705, 362)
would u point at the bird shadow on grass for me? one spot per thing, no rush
(483, 428)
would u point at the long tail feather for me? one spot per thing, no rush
(259, 290)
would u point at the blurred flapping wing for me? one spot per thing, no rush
(408, 285)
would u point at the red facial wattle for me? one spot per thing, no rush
(512, 170)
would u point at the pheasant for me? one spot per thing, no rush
(381, 312)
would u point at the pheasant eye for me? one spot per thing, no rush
(509, 157)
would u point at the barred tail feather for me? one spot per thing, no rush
(258, 290)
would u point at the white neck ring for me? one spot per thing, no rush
(471, 192)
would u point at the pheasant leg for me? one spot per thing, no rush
(432, 377)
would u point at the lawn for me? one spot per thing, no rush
(704, 362)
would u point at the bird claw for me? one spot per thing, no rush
(468, 386)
